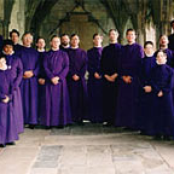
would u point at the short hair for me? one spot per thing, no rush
(64, 34)
(148, 43)
(163, 51)
(73, 35)
(54, 36)
(37, 40)
(163, 35)
(112, 30)
(14, 31)
(130, 29)
(96, 34)
(172, 22)
(26, 34)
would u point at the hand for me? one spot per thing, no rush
(108, 78)
(97, 76)
(55, 80)
(114, 76)
(28, 74)
(75, 77)
(148, 89)
(6, 100)
(127, 79)
(160, 94)
(41, 81)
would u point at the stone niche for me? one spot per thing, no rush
(80, 23)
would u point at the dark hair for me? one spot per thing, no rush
(96, 34)
(64, 34)
(130, 29)
(74, 35)
(172, 22)
(39, 39)
(7, 42)
(148, 43)
(112, 30)
(14, 31)
(54, 36)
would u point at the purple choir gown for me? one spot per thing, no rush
(146, 109)
(57, 109)
(109, 66)
(78, 89)
(8, 125)
(95, 86)
(162, 78)
(171, 42)
(29, 87)
(16, 72)
(128, 101)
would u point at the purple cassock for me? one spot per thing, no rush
(171, 42)
(8, 125)
(64, 49)
(130, 63)
(109, 66)
(162, 78)
(146, 109)
(15, 64)
(57, 109)
(78, 89)
(95, 86)
(17, 48)
(29, 87)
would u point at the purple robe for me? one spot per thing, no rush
(171, 42)
(130, 64)
(162, 78)
(57, 109)
(8, 125)
(64, 49)
(95, 86)
(109, 66)
(17, 48)
(29, 87)
(77, 89)
(16, 73)
(146, 110)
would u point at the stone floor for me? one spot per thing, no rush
(88, 149)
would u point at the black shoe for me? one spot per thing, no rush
(60, 127)
(11, 143)
(166, 138)
(158, 137)
(2, 145)
(32, 126)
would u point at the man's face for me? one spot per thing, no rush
(8, 49)
(164, 41)
(149, 50)
(113, 36)
(131, 36)
(55, 43)
(75, 41)
(161, 58)
(15, 38)
(27, 40)
(65, 40)
(97, 40)
(41, 44)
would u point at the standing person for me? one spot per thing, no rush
(162, 83)
(76, 80)
(95, 81)
(29, 85)
(65, 42)
(15, 64)
(146, 108)
(171, 37)
(14, 36)
(40, 44)
(130, 64)
(56, 65)
(109, 68)
(8, 125)
(164, 46)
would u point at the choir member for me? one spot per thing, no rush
(14, 35)
(8, 125)
(76, 80)
(40, 44)
(95, 81)
(56, 65)
(65, 42)
(162, 82)
(130, 64)
(171, 37)
(146, 109)
(164, 46)
(109, 69)
(15, 64)
(29, 85)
